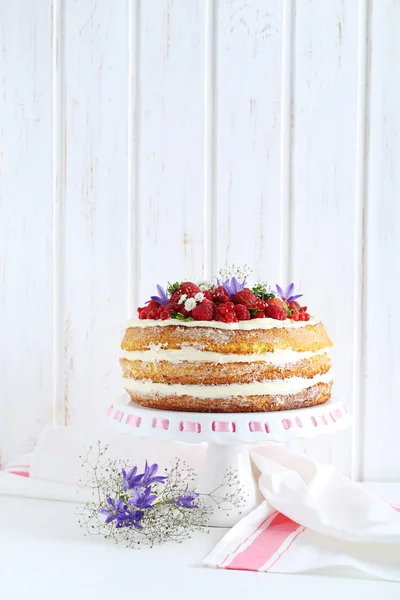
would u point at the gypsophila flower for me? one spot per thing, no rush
(147, 508)
(206, 285)
(199, 297)
(190, 303)
(182, 299)
(240, 273)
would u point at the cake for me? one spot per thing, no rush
(224, 347)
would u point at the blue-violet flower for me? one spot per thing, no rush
(131, 479)
(162, 298)
(187, 500)
(149, 475)
(120, 511)
(287, 294)
(143, 499)
(232, 286)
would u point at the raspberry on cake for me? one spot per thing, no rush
(226, 348)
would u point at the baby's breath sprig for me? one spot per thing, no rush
(147, 508)
(240, 273)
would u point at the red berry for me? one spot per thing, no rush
(221, 295)
(154, 314)
(164, 315)
(231, 318)
(245, 297)
(183, 310)
(228, 318)
(153, 304)
(203, 311)
(175, 297)
(224, 313)
(295, 316)
(221, 310)
(275, 302)
(261, 304)
(274, 311)
(242, 312)
(143, 311)
(304, 316)
(188, 288)
(303, 308)
(172, 307)
(209, 294)
(259, 315)
(293, 305)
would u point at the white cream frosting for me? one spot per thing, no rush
(290, 385)
(188, 353)
(266, 323)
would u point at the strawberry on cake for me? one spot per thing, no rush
(221, 346)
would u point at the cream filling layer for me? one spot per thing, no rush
(156, 353)
(291, 385)
(240, 325)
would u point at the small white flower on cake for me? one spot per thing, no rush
(199, 297)
(205, 285)
(190, 303)
(182, 299)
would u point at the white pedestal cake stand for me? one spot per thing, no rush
(229, 437)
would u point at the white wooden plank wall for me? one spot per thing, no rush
(147, 140)
(26, 328)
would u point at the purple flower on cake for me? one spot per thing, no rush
(232, 286)
(287, 294)
(119, 511)
(143, 498)
(187, 500)
(162, 298)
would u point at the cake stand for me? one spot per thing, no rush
(229, 437)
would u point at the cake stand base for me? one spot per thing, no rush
(219, 460)
(230, 436)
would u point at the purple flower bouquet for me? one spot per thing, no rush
(147, 508)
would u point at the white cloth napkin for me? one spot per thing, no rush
(313, 519)
(54, 469)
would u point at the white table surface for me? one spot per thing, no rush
(43, 554)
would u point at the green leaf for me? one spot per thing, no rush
(287, 310)
(260, 291)
(180, 317)
(252, 311)
(172, 287)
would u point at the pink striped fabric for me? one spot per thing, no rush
(269, 541)
(21, 470)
